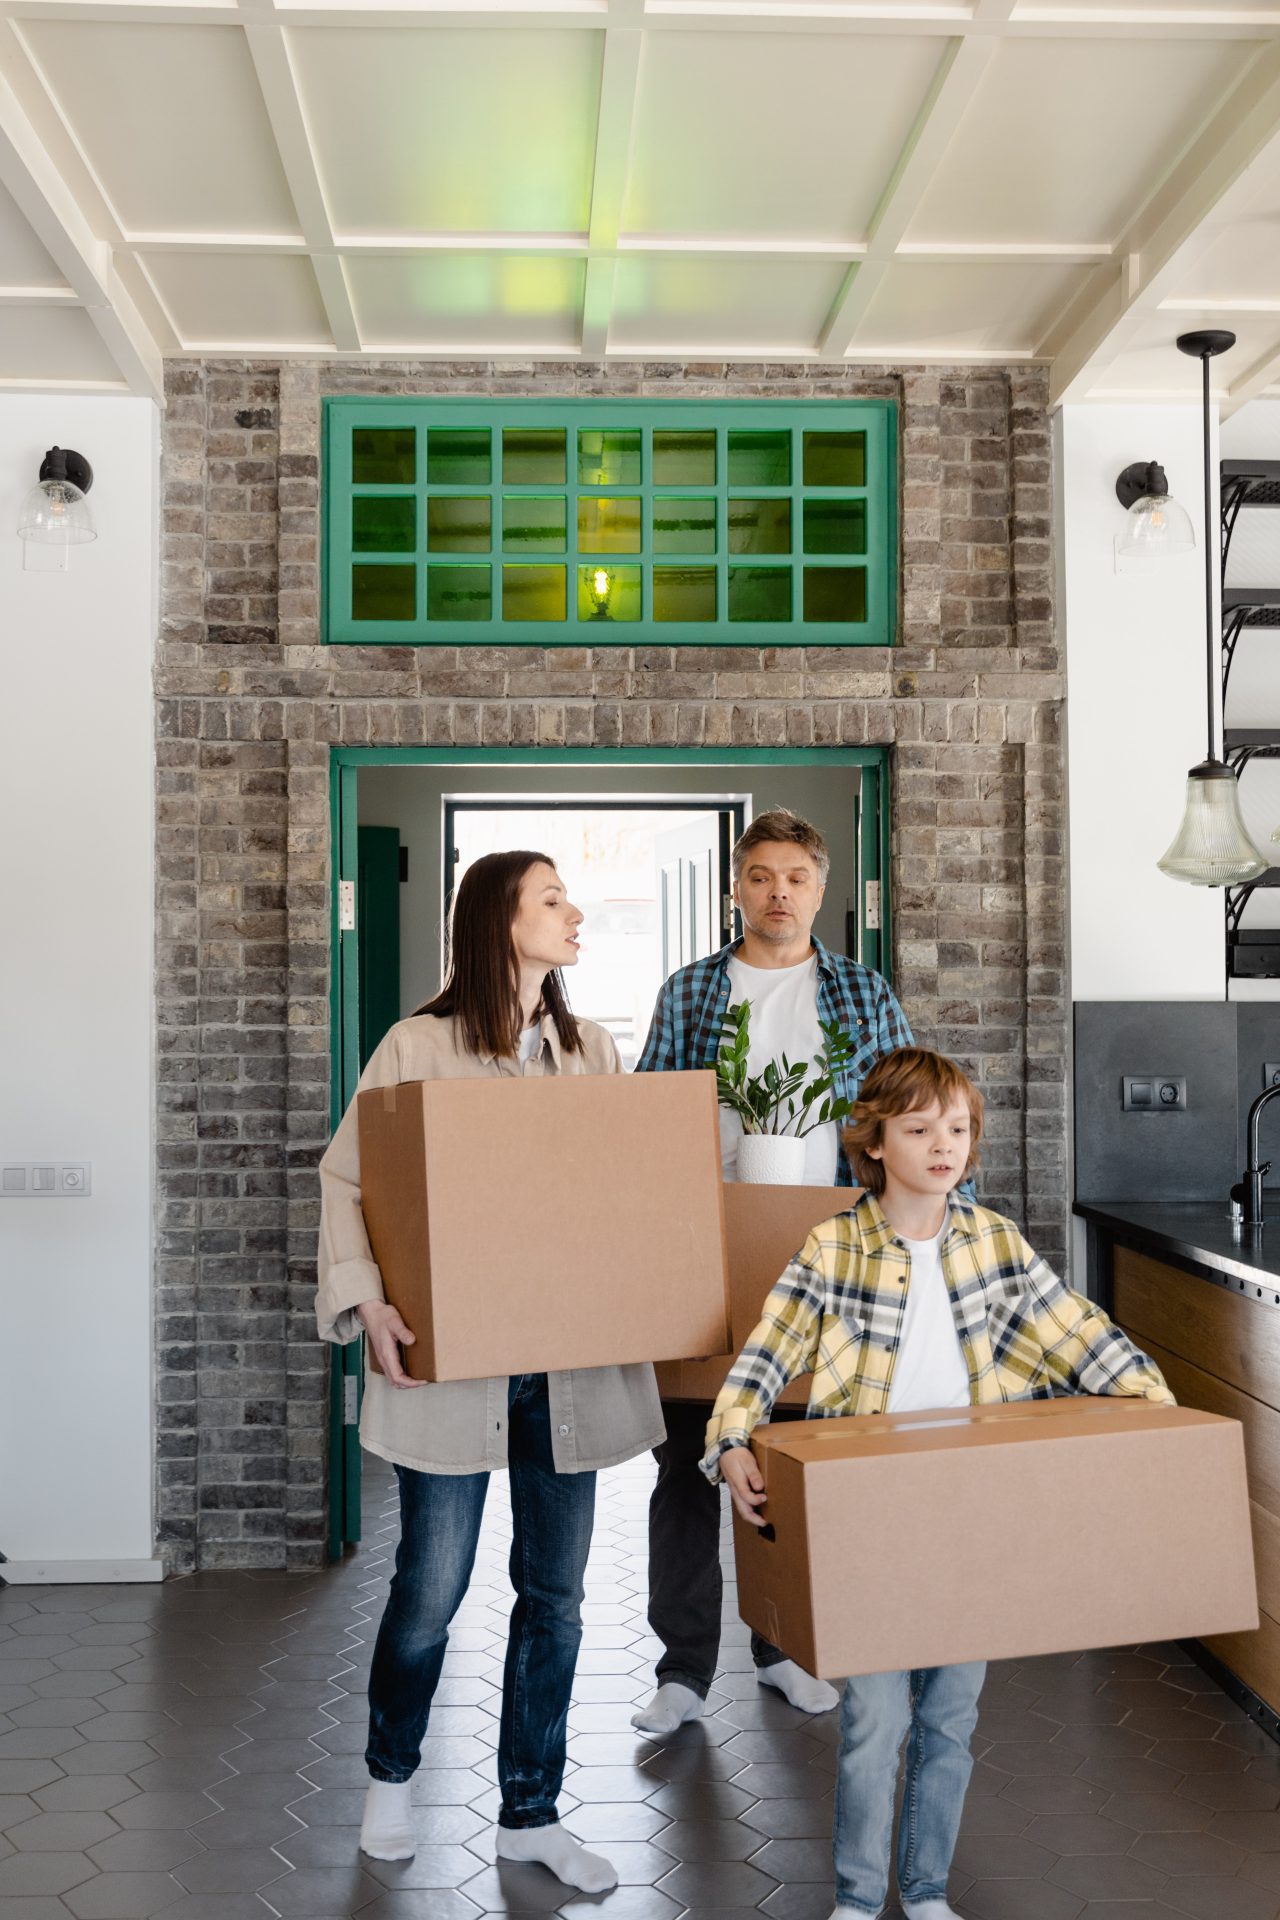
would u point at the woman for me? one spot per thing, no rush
(502, 1013)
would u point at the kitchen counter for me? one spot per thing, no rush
(1202, 1300)
(1198, 1234)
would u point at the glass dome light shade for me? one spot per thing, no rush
(1212, 847)
(56, 514)
(1155, 525)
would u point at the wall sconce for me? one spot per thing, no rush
(55, 515)
(1156, 524)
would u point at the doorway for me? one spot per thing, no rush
(642, 838)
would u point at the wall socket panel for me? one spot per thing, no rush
(1153, 1093)
(45, 1179)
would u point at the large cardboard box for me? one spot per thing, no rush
(766, 1227)
(924, 1539)
(531, 1225)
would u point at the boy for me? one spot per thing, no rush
(915, 1298)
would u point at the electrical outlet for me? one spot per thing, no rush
(1153, 1093)
(1271, 1074)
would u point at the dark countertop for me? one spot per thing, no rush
(1199, 1233)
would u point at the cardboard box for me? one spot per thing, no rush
(766, 1228)
(993, 1533)
(530, 1225)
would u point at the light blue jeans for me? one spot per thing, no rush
(935, 1709)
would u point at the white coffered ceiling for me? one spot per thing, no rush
(873, 180)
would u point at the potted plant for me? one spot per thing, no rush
(780, 1105)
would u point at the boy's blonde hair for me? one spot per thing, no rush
(906, 1081)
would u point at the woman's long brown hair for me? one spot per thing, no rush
(481, 988)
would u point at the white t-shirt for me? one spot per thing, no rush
(930, 1369)
(784, 1019)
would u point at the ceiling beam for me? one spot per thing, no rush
(948, 98)
(615, 122)
(85, 262)
(269, 51)
(1217, 181)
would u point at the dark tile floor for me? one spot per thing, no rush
(194, 1750)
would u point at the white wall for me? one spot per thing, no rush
(76, 780)
(1136, 721)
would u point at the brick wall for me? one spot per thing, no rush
(249, 703)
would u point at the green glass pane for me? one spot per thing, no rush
(458, 523)
(534, 524)
(608, 593)
(608, 523)
(608, 459)
(459, 593)
(533, 593)
(683, 526)
(835, 459)
(835, 526)
(759, 459)
(383, 456)
(759, 526)
(759, 593)
(384, 593)
(533, 456)
(683, 458)
(684, 593)
(383, 523)
(459, 457)
(835, 593)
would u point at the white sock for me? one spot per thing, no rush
(929, 1910)
(558, 1850)
(387, 1830)
(669, 1708)
(799, 1687)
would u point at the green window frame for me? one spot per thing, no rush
(562, 522)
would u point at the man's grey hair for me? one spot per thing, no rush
(779, 823)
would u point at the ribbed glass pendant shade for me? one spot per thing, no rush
(1212, 847)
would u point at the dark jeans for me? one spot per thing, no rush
(686, 1586)
(440, 1517)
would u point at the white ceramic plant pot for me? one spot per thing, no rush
(771, 1160)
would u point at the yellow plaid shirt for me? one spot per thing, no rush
(837, 1313)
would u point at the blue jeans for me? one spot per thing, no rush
(440, 1516)
(935, 1709)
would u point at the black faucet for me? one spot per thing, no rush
(1253, 1173)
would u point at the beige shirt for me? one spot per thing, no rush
(599, 1415)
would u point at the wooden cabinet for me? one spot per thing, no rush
(1220, 1351)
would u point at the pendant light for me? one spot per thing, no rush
(1212, 847)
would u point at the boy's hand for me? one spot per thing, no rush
(745, 1482)
(387, 1334)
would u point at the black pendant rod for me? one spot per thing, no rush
(1209, 555)
(1203, 346)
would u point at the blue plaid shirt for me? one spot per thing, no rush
(685, 1030)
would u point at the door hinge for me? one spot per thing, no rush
(726, 912)
(350, 1399)
(346, 906)
(872, 914)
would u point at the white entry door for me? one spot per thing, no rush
(687, 862)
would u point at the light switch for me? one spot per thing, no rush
(45, 1179)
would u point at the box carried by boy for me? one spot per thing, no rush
(1128, 1521)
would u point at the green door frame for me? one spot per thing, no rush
(875, 946)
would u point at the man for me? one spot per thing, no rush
(780, 868)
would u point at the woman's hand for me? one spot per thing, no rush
(387, 1334)
(745, 1482)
